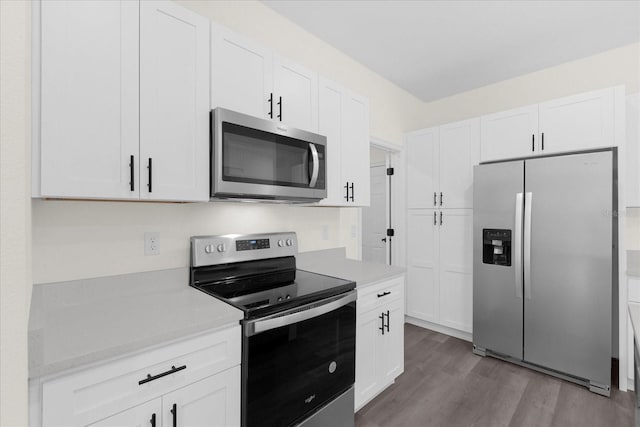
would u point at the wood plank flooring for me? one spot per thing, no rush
(445, 384)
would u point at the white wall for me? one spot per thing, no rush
(78, 239)
(15, 211)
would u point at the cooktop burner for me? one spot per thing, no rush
(257, 273)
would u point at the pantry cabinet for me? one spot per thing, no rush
(343, 117)
(440, 265)
(379, 338)
(122, 101)
(251, 79)
(440, 165)
(574, 123)
(194, 382)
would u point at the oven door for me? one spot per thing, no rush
(296, 362)
(260, 158)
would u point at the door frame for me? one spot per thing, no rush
(395, 159)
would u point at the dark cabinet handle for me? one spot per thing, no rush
(381, 317)
(153, 420)
(150, 167)
(388, 322)
(270, 105)
(280, 107)
(131, 182)
(346, 187)
(384, 294)
(174, 412)
(435, 199)
(353, 192)
(533, 142)
(440, 217)
(173, 370)
(441, 198)
(435, 218)
(542, 141)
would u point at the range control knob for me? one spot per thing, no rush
(208, 249)
(281, 243)
(221, 247)
(289, 242)
(288, 297)
(279, 299)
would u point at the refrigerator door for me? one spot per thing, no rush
(568, 257)
(497, 269)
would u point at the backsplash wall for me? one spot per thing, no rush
(80, 239)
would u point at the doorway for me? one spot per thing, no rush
(378, 219)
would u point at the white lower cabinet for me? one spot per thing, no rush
(379, 339)
(195, 382)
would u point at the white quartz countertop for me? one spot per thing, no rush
(333, 262)
(82, 322)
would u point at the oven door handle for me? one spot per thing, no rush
(316, 165)
(298, 314)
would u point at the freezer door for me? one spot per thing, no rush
(568, 261)
(497, 281)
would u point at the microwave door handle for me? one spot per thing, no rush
(316, 165)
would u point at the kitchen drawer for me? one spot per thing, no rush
(376, 295)
(80, 398)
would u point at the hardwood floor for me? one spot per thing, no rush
(445, 384)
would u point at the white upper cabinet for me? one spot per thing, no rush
(509, 134)
(343, 117)
(241, 74)
(579, 122)
(422, 168)
(89, 99)
(174, 101)
(440, 165)
(124, 101)
(251, 79)
(459, 151)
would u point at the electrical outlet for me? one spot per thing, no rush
(325, 232)
(151, 243)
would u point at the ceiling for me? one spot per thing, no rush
(434, 49)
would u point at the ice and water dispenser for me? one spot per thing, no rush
(496, 246)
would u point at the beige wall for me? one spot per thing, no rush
(15, 220)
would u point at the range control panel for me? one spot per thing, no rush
(213, 250)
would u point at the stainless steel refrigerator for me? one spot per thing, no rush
(544, 264)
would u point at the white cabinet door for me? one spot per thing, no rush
(456, 269)
(174, 102)
(579, 122)
(367, 359)
(422, 281)
(330, 116)
(509, 134)
(422, 168)
(296, 89)
(459, 148)
(212, 402)
(633, 150)
(391, 344)
(355, 148)
(241, 74)
(89, 99)
(144, 415)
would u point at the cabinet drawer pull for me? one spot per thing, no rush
(533, 142)
(384, 294)
(131, 182)
(153, 420)
(174, 413)
(542, 141)
(150, 167)
(163, 374)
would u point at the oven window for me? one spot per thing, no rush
(254, 156)
(294, 370)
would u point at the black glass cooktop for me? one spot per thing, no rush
(266, 286)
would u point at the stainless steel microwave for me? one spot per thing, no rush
(254, 158)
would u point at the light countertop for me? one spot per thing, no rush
(333, 262)
(86, 321)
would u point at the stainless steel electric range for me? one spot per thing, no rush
(299, 329)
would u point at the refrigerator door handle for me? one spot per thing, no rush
(527, 244)
(517, 245)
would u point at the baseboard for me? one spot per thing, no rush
(439, 328)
